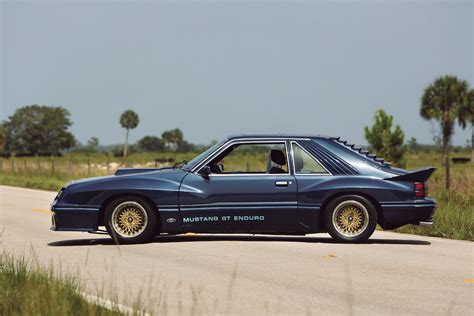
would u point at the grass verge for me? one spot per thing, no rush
(38, 291)
(453, 218)
(454, 215)
(50, 183)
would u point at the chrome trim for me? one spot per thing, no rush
(226, 145)
(314, 158)
(425, 223)
(240, 203)
(309, 207)
(313, 174)
(75, 209)
(292, 158)
(168, 210)
(256, 207)
(247, 174)
(410, 205)
(218, 150)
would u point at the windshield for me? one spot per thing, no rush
(193, 162)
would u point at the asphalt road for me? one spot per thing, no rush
(244, 274)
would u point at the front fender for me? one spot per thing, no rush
(161, 188)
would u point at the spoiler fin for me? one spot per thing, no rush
(419, 175)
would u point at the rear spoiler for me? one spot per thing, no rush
(420, 175)
(123, 171)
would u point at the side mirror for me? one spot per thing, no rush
(205, 171)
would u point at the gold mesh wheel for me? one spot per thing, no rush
(350, 218)
(129, 219)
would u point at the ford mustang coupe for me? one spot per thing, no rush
(259, 184)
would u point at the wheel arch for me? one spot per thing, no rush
(375, 203)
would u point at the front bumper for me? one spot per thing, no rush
(74, 218)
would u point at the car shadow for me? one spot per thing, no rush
(247, 238)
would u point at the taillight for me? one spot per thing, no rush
(420, 189)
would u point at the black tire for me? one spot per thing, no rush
(347, 213)
(137, 210)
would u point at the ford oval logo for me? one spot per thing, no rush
(171, 220)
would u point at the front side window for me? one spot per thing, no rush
(304, 163)
(193, 162)
(251, 158)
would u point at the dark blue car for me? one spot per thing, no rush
(259, 184)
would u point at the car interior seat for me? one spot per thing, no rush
(276, 161)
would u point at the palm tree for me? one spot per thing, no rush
(129, 120)
(443, 101)
(467, 114)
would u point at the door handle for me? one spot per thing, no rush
(281, 183)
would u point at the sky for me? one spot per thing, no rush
(218, 68)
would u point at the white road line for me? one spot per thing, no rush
(111, 305)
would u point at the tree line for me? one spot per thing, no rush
(39, 130)
(171, 140)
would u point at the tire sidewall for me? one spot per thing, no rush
(328, 215)
(145, 236)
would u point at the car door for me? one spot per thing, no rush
(239, 200)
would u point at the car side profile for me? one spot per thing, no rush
(259, 184)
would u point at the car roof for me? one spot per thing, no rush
(270, 136)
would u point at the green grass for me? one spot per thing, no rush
(454, 218)
(50, 183)
(38, 291)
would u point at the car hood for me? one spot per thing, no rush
(158, 173)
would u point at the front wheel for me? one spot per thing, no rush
(350, 218)
(130, 220)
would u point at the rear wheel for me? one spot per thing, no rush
(350, 218)
(130, 220)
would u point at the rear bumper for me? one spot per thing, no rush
(418, 212)
(74, 218)
(426, 223)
